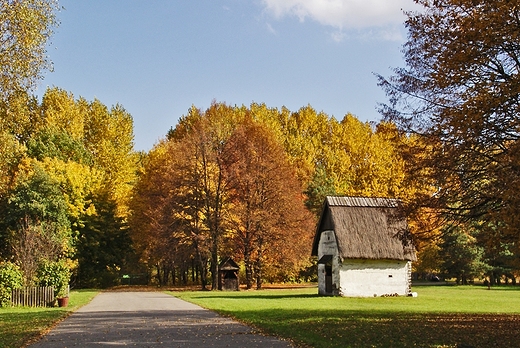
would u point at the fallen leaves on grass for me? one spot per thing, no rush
(420, 330)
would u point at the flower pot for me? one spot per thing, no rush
(63, 301)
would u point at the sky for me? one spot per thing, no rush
(158, 58)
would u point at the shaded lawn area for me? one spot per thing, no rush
(20, 325)
(441, 316)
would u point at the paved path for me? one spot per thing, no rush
(150, 319)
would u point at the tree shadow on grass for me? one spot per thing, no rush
(344, 328)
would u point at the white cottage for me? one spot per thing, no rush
(364, 248)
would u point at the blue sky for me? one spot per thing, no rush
(158, 58)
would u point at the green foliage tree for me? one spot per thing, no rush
(37, 221)
(104, 247)
(500, 252)
(11, 277)
(320, 186)
(463, 258)
(60, 145)
(429, 262)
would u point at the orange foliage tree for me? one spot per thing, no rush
(273, 230)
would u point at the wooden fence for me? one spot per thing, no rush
(33, 296)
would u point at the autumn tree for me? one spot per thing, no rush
(185, 173)
(54, 151)
(25, 28)
(272, 229)
(147, 221)
(109, 137)
(18, 121)
(88, 148)
(167, 221)
(206, 141)
(331, 156)
(306, 134)
(61, 111)
(459, 94)
(11, 153)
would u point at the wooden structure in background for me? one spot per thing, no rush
(228, 275)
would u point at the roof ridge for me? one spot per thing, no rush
(360, 201)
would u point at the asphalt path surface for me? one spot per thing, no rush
(151, 319)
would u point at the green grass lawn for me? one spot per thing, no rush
(19, 325)
(441, 316)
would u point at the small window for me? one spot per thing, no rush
(390, 276)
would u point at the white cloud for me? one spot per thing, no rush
(387, 15)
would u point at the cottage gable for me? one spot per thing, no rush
(366, 228)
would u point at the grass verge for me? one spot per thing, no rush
(21, 325)
(441, 316)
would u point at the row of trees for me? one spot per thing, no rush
(226, 181)
(235, 181)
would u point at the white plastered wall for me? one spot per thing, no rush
(367, 278)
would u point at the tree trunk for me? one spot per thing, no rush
(247, 260)
(165, 274)
(159, 278)
(214, 262)
(258, 275)
(193, 270)
(258, 268)
(203, 266)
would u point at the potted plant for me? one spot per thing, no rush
(62, 295)
(56, 274)
(63, 301)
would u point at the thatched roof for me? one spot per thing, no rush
(366, 228)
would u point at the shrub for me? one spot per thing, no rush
(56, 274)
(11, 277)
